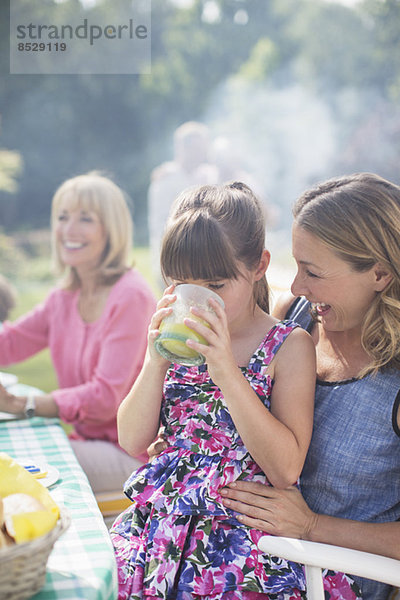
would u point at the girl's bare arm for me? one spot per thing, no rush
(139, 413)
(278, 440)
(138, 416)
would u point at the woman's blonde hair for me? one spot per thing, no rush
(94, 192)
(358, 217)
(213, 230)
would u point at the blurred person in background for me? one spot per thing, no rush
(189, 167)
(95, 325)
(227, 156)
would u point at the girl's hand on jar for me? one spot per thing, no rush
(218, 352)
(163, 309)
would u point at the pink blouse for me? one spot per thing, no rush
(96, 363)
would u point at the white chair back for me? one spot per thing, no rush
(315, 557)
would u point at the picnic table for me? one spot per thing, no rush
(81, 564)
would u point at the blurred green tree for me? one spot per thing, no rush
(123, 124)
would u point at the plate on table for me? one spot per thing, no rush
(4, 416)
(45, 474)
(6, 380)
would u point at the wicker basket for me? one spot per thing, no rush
(23, 566)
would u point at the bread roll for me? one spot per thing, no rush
(15, 504)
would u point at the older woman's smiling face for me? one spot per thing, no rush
(340, 295)
(81, 237)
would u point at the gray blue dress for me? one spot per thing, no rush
(352, 468)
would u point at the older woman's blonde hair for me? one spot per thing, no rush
(358, 217)
(96, 193)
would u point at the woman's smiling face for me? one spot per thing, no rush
(81, 237)
(340, 295)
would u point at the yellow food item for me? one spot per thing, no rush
(174, 336)
(39, 475)
(31, 511)
(25, 517)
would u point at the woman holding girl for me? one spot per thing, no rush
(245, 414)
(346, 293)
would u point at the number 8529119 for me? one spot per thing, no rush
(42, 46)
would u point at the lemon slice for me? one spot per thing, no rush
(178, 348)
(171, 343)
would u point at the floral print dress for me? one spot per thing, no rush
(177, 540)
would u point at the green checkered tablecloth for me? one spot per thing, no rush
(81, 564)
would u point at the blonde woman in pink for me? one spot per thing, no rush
(95, 325)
